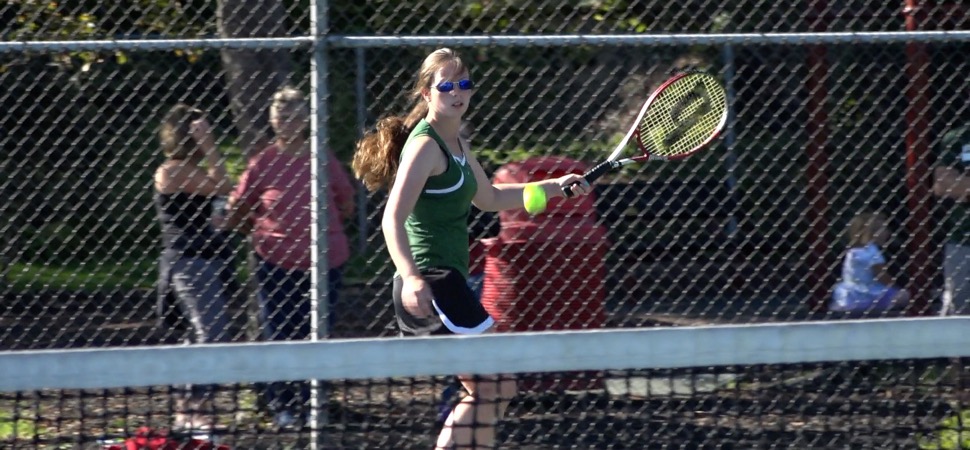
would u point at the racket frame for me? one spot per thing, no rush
(613, 162)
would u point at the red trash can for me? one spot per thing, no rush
(546, 272)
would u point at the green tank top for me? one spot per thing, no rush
(437, 228)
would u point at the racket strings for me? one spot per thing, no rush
(683, 116)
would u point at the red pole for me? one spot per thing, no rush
(923, 257)
(821, 273)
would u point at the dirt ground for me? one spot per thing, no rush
(834, 406)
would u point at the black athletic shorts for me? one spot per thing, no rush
(457, 309)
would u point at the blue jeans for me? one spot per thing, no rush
(202, 297)
(284, 314)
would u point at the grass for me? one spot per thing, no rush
(13, 427)
(954, 433)
(122, 275)
(85, 269)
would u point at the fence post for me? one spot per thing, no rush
(319, 291)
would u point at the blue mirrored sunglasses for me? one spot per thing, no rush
(448, 86)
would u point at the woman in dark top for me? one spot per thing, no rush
(188, 185)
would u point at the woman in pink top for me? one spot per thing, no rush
(272, 204)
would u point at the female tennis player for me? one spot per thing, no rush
(433, 179)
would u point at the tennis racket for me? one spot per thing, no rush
(679, 119)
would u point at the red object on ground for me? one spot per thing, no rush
(545, 272)
(147, 438)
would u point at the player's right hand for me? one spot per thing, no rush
(416, 297)
(576, 183)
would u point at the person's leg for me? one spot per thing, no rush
(285, 314)
(298, 329)
(956, 274)
(472, 422)
(949, 271)
(202, 299)
(268, 279)
(335, 281)
(956, 301)
(475, 283)
(471, 425)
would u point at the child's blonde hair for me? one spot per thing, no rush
(863, 228)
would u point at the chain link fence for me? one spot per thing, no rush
(752, 230)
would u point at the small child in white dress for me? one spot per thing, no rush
(865, 284)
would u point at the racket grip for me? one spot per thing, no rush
(591, 176)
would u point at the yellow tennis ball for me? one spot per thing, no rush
(534, 198)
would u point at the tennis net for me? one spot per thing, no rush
(842, 384)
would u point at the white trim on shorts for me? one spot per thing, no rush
(478, 329)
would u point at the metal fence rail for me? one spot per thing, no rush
(660, 39)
